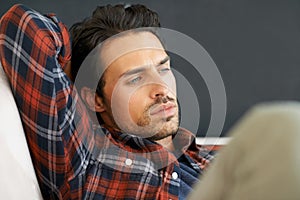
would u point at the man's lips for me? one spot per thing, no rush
(166, 110)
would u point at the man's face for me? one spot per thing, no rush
(140, 88)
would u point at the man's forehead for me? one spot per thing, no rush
(116, 47)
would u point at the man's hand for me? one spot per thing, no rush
(67, 70)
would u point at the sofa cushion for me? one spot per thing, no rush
(18, 179)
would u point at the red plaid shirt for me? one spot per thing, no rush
(72, 159)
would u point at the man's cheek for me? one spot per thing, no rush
(170, 82)
(135, 108)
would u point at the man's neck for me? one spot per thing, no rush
(167, 143)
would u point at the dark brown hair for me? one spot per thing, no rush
(106, 21)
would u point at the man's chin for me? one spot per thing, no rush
(154, 130)
(166, 131)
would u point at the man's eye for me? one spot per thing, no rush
(135, 80)
(164, 70)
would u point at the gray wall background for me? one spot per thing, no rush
(254, 43)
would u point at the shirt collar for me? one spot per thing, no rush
(144, 150)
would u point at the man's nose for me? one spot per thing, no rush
(159, 90)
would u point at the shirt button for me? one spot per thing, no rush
(174, 175)
(128, 162)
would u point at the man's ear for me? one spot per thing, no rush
(92, 101)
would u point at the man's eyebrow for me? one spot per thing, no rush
(134, 71)
(143, 68)
(163, 61)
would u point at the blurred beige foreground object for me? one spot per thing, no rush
(262, 159)
(17, 176)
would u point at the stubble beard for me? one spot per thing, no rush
(165, 127)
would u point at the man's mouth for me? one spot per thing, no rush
(165, 110)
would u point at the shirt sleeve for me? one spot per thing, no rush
(33, 50)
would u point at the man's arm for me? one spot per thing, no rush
(33, 51)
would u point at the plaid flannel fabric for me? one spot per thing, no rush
(72, 159)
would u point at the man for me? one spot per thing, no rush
(138, 152)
